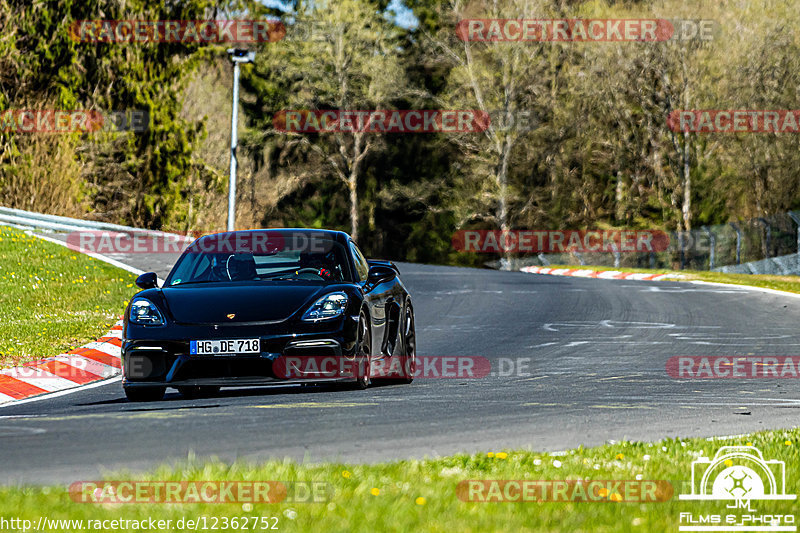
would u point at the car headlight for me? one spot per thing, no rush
(145, 312)
(329, 306)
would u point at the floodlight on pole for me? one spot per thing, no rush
(238, 56)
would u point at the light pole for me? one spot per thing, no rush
(238, 56)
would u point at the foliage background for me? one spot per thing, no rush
(599, 155)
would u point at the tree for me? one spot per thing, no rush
(506, 82)
(137, 178)
(350, 62)
(635, 88)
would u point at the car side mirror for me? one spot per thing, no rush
(379, 274)
(148, 280)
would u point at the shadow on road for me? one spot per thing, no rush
(235, 393)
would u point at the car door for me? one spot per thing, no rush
(376, 298)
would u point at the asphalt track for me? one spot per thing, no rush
(596, 353)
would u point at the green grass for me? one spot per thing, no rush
(53, 299)
(781, 283)
(421, 495)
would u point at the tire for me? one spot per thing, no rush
(409, 358)
(198, 391)
(363, 352)
(145, 394)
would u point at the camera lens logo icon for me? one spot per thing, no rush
(738, 473)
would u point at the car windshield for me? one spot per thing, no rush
(267, 256)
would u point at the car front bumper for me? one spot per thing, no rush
(161, 356)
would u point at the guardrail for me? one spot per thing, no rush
(764, 245)
(30, 220)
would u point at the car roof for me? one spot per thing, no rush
(339, 236)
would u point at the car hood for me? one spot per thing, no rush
(257, 302)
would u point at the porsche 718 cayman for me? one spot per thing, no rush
(268, 307)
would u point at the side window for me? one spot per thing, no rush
(362, 268)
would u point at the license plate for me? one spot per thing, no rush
(225, 347)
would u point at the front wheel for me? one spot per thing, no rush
(145, 394)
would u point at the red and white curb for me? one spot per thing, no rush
(91, 362)
(600, 274)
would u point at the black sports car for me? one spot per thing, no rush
(268, 307)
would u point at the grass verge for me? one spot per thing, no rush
(53, 299)
(421, 495)
(780, 283)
